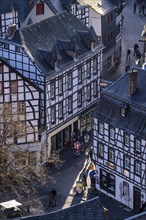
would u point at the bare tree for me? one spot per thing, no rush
(18, 167)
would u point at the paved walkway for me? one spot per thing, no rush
(132, 28)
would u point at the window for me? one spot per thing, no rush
(112, 133)
(109, 62)
(126, 139)
(127, 162)
(60, 86)
(137, 143)
(111, 155)
(88, 66)
(110, 18)
(21, 107)
(80, 75)
(52, 90)
(6, 46)
(100, 128)
(40, 8)
(100, 150)
(138, 167)
(69, 80)
(17, 49)
(95, 88)
(89, 93)
(60, 110)
(1, 68)
(1, 88)
(107, 182)
(70, 104)
(53, 116)
(123, 111)
(13, 86)
(110, 36)
(125, 189)
(95, 65)
(80, 98)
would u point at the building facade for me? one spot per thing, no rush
(120, 138)
(64, 63)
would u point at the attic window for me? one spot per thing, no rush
(40, 8)
(123, 111)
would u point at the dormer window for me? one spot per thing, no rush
(40, 8)
(123, 111)
(92, 45)
(56, 64)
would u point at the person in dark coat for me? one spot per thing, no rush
(134, 7)
(136, 47)
(128, 54)
(84, 182)
(51, 196)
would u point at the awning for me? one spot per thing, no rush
(10, 204)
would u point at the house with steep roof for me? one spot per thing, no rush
(64, 63)
(119, 140)
(106, 18)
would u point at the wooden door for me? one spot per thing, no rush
(137, 199)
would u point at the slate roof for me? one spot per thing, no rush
(105, 7)
(68, 32)
(22, 6)
(89, 210)
(116, 96)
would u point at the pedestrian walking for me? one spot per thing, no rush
(51, 196)
(134, 7)
(140, 8)
(92, 178)
(128, 54)
(84, 182)
(136, 47)
(143, 7)
(138, 56)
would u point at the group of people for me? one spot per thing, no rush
(136, 53)
(141, 7)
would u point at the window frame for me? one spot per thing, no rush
(137, 168)
(70, 105)
(13, 86)
(60, 112)
(88, 93)
(52, 90)
(111, 155)
(88, 69)
(80, 98)
(80, 74)
(69, 80)
(60, 86)
(95, 65)
(127, 139)
(112, 133)
(101, 128)
(40, 9)
(127, 162)
(100, 150)
(21, 107)
(137, 140)
(53, 114)
(1, 88)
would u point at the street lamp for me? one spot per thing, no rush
(143, 35)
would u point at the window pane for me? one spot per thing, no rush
(14, 87)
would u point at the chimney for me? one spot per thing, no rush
(11, 30)
(132, 85)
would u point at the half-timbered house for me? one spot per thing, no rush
(20, 98)
(63, 61)
(120, 139)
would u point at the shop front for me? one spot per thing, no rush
(60, 138)
(107, 182)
